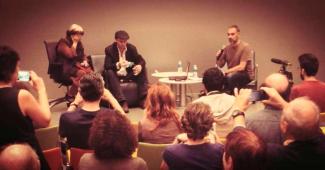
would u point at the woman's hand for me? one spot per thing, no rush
(37, 82)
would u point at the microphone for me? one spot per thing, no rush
(221, 52)
(279, 61)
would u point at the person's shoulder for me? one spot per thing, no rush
(174, 147)
(63, 40)
(110, 46)
(68, 116)
(129, 45)
(244, 43)
(104, 109)
(137, 161)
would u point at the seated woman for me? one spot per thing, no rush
(196, 152)
(114, 140)
(161, 122)
(70, 52)
(19, 110)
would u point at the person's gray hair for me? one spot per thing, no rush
(302, 117)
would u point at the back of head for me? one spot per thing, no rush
(121, 34)
(91, 87)
(279, 82)
(197, 120)
(8, 63)
(246, 150)
(112, 136)
(309, 63)
(19, 157)
(213, 79)
(302, 119)
(160, 102)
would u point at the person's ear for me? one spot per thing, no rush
(303, 71)
(283, 125)
(227, 164)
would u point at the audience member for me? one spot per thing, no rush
(244, 151)
(70, 52)
(161, 122)
(311, 87)
(238, 57)
(304, 147)
(123, 62)
(196, 152)
(18, 157)
(114, 140)
(265, 123)
(19, 109)
(75, 124)
(221, 103)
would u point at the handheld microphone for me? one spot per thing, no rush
(221, 52)
(279, 61)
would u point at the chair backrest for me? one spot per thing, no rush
(76, 154)
(254, 83)
(53, 157)
(152, 154)
(98, 62)
(47, 137)
(55, 69)
(50, 47)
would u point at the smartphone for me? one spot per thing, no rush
(258, 95)
(23, 76)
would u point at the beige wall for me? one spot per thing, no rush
(167, 31)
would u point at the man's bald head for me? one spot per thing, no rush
(19, 157)
(277, 81)
(302, 119)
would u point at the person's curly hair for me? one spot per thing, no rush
(112, 136)
(197, 120)
(161, 104)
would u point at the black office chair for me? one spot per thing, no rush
(129, 88)
(55, 70)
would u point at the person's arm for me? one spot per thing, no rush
(111, 99)
(275, 98)
(240, 67)
(37, 110)
(220, 61)
(68, 52)
(140, 63)
(241, 105)
(76, 103)
(108, 63)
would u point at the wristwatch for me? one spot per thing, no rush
(237, 113)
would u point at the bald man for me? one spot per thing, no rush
(304, 146)
(265, 123)
(19, 157)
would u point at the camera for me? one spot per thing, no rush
(23, 75)
(258, 95)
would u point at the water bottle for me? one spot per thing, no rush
(179, 66)
(195, 71)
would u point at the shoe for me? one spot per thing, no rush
(125, 107)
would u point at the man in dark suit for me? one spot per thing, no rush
(124, 63)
